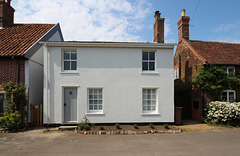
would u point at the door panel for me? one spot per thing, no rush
(70, 104)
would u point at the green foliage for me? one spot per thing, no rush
(80, 126)
(14, 114)
(166, 126)
(151, 125)
(101, 127)
(12, 122)
(83, 126)
(135, 126)
(213, 80)
(15, 97)
(117, 126)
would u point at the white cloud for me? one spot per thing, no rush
(227, 27)
(107, 20)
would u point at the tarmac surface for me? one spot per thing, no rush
(223, 142)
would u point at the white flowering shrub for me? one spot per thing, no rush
(223, 113)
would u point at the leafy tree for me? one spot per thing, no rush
(213, 80)
(14, 113)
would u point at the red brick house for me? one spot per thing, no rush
(21, 55)
(191, 55)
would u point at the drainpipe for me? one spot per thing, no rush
(179, 66)
(46, 81)
(18, 69)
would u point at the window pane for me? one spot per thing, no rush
(149, 97)
(90, 96)
(148, 108)
(74, 65)
(95, 107)
(144, 91)
(73, 56)
(153, 108)
(100, 107)
(95, 96)
(66, 56)
(144, 97)
(95, 91)
(154, 91)
(95, 101)
(90, 107)
(144, 108)
(151, 55)
(145, 66)
(66, 65)
(151, 65)
(90, 101)
(231, 97)
(230, 72)
(99, 96)
(99, 90)
(144, 103)
(149, 91)
(145, 56)
(100, 101)
(224, 96)
(90, 91)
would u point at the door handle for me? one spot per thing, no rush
(65, 104)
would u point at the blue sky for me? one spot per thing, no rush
(132, 20)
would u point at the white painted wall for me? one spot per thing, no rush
(34, 75)
(119, 72)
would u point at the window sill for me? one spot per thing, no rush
(69, 72)
(95, 113)
(150, 114)
(150, 73)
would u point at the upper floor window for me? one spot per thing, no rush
(229, 95)
(70, 60)
(148, 61)
(230, 71)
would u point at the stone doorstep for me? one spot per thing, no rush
(128, 132)
(65, 128)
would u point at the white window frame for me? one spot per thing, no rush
(228, 91)
(148, 61)
(70, 60)
(88, 94)
(227, 70)
(156, 102)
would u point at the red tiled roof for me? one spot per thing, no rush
(218, 52)
(16, 39)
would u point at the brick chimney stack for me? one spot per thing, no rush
(6, 13)
(158, 28)
(183, 26)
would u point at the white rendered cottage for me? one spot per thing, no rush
(109, 82)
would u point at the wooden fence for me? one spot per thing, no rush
(36, 115)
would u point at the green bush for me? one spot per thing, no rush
(151, 125)
(11, 122)
(135, 126)
(80, 126)
(117, 126)
(86, 127)
(101, 127)
(165, 126)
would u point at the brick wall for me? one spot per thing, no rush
(190, 65)
(8, 71)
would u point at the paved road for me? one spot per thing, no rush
(223, 142)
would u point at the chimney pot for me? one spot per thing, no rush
(183, 12)
(157, 14)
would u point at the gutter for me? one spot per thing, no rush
(109, 45)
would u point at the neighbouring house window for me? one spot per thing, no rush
(69, 60)
(149, 100)
(229, 95)
(230, 71)
(1, 104)
(148, 61)
(95, 99)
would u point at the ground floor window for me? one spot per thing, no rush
(95, 99)
(149, 100)
(229, 95)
